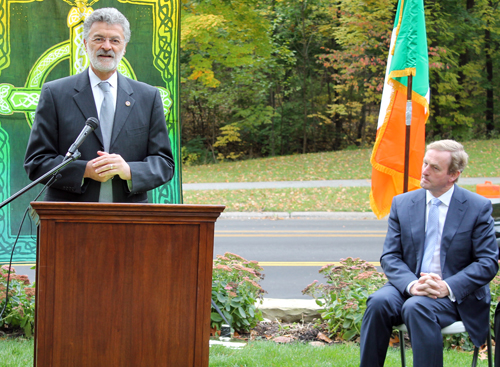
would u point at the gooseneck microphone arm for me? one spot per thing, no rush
(53, 171)
(73, 154)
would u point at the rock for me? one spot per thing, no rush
(317, 344)
(289, 310)
(283, 339)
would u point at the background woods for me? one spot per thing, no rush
(278, 77)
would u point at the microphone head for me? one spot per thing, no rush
(92, 122)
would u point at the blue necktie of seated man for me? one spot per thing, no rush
(106, 117)
(431, 235)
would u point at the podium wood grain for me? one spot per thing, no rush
(123, 284)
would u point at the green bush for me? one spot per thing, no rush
(343, 298)
(235, 290)
(20, 311)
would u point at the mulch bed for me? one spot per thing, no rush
(287, 333)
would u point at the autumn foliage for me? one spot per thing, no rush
(280, 77)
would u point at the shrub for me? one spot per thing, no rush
(235, 290)
(343, 298)
(20, 311)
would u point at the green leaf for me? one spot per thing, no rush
(215, 317)
(347, 324)
(222, 299)
(349, 334)
(242, 312)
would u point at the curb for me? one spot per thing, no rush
(299, 215)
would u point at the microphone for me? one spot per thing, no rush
(90, 125)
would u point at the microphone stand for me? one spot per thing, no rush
(53, 172)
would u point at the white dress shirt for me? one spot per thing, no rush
(435, 266)
(445, 199)
(98, 93)
(99, 96)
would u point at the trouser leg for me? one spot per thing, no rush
(425, 317)
(383, 311)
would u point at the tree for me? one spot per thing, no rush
(225, 50)
(363, 31)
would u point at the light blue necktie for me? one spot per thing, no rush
(431, 235)
(106, 117)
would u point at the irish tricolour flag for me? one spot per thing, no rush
(407, 56)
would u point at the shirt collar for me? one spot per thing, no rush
(445, 198)
(95, 80)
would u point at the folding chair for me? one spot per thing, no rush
(455, 328)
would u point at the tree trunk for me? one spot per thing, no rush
(489, 114)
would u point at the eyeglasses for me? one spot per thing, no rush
(100, 40)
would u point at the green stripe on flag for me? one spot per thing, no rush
(410, 51)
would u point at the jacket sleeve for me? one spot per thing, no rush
(157, 167)
(43, 151)
(470, 278)
(398, 260)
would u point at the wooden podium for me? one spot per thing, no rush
(123, 284)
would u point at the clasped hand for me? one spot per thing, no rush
(106, 166)
(430, 285)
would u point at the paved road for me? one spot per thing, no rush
(293, 250)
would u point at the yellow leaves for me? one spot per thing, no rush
(230, 134)
(196, 74)
(207, 77)
(194, 25)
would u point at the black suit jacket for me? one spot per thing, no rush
(469, 253)
(139, 135)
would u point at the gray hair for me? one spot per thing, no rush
(107, 15)
(459, 157)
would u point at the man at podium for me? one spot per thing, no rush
(129, 153)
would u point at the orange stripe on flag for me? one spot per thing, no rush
(389, 151)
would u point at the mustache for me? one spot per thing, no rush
(105, 53)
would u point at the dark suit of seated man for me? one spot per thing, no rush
(439, 256)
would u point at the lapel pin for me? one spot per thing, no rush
(127, 103)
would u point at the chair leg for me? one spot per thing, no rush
(474, 359)
(402, 347)
(490, 350)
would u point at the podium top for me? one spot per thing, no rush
(132, 212)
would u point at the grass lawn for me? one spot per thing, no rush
(19, 353)
(484, 161)
(350, 164)
(313, 199)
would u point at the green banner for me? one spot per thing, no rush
(41, 41)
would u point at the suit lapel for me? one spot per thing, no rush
(124, 104)
(417, 225)
(456, 211)
(84, 99)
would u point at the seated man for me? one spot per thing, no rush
(439, 255)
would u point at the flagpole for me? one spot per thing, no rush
(408, 129)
